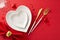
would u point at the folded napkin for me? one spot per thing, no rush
(16, 35)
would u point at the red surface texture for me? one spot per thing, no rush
(49, 28)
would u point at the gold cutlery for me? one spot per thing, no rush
(44, 14)
(35, 20)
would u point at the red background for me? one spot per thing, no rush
(49, 28)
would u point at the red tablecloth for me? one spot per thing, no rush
(49, 28)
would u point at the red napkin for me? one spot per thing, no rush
(16, 35)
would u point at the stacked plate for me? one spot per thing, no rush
(20, 19)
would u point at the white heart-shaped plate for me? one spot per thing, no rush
(20, 19)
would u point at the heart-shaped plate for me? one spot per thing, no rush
(20, 19)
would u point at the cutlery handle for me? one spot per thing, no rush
(31, 28)
(37, 23)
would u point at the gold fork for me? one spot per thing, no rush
(44, 14)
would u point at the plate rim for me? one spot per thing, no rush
(30, 19)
